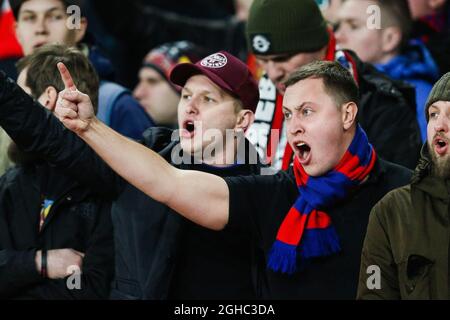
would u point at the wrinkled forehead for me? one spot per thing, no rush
(441, 105)
(309, 90)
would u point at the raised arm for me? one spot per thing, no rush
(36, 130)
(200, 197)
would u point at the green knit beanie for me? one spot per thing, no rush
(440, 92)
(285, 26)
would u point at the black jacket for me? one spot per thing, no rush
(267, 199)
(147, 233)
(387, 101)
(78, 219)
(162, 255)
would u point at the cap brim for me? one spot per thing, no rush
(182, 72)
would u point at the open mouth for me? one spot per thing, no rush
(440, 145)
(304, 152)
(188, 129)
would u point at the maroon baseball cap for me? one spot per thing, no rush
(226, 71)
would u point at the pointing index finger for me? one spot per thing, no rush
(66, 77)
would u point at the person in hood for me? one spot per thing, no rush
(388, 47)
(407, 236)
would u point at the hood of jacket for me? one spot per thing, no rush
(415, 63)
(423, 179)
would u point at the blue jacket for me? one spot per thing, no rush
(125, 114)
(417, 67)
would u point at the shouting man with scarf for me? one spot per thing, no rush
(311, 220)
(284, 35)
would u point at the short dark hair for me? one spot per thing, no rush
(399, 14)
(42, 71)
(17, 4)
(337, 81)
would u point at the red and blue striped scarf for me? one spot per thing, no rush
(307, 229)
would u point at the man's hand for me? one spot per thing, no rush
(73, 108)
(60, 262)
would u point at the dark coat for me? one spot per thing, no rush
(387, 112)
(147, 233)
(78, 220)
(408, 239)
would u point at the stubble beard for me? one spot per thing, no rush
(441, 164)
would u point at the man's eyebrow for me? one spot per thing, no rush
(46, 11)
(186, 89)
(206, 92)
(297, 107)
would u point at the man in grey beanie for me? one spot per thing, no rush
(407, 237)
(286, 34)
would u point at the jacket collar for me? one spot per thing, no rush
(423, 179)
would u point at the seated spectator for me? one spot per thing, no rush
(51, 226)
(387, 46)
(155, 92)
(45, 21)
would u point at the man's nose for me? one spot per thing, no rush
(138, 92)
(41, 26)
(274, 71)
(191, 106)
(441, 124)
(295, 126)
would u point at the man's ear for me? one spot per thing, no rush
(80, 32)
(349, 112)
(49, 97)
(391, 39)
(244, 120)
